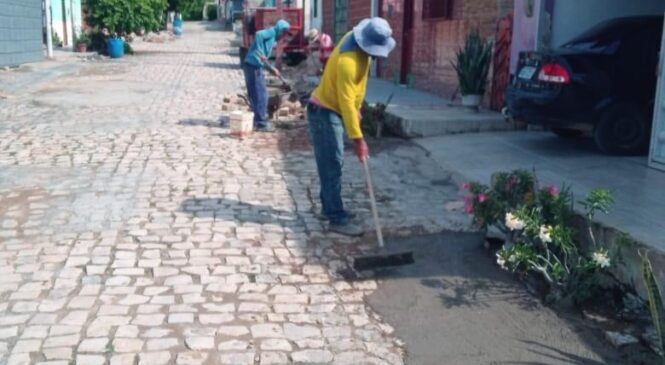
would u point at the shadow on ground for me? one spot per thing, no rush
(455, 303)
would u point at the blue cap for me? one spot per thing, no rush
(281, 26)
(374, 36)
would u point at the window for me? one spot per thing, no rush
(438, 9)
(315, 5)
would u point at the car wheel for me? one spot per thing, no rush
(623, 130)
(567, 133)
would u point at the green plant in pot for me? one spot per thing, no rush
(472, 64)
(82, 42)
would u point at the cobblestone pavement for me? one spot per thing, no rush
(134, 229)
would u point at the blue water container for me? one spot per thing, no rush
(177, 27)
(115, 47)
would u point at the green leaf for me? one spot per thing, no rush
(655, 299)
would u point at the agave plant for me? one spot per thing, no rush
(472, 64)
(655, 301)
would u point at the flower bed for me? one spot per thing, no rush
(537, 225)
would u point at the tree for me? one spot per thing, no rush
(126, 16)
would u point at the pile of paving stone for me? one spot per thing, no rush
(284, 110)
(159, 37)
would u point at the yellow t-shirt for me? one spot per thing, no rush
(343, 85)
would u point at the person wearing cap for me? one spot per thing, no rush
(255, 61)
(335, 107)
(321, 43)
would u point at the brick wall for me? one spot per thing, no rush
(358, 10)
(437, 41)
(328, 16)
(20, 32)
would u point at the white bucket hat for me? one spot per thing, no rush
(374, 36)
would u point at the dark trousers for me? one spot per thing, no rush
(327, 134)
(257, 93)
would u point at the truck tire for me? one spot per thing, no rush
(623, 129)
(242, 52)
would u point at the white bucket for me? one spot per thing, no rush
(241, 123)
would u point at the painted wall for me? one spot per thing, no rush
(71, 8)
(20, 32)
(525, 29)
(572, 17)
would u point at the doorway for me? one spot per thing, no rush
(407, 41)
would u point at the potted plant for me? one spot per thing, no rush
(82, 42)
(472, 66)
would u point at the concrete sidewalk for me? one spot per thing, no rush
(638, 190)
(415, 114)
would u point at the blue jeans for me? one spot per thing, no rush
(257, 93)
(326, 131)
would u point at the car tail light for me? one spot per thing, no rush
(553, 72)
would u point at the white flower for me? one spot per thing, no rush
(514, 223)
(545, 234)
(601, 259)
(512, 258)
(500, 260)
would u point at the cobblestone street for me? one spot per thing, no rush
(135, 229)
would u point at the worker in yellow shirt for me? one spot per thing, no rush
(335, 107)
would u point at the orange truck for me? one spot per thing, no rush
(257, 17)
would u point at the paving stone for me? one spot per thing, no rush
(8, 332)
(24, 346)
(123, 359)
(175, 318)
(275, 345)
(268, 330)
(154, 358)
(274, 358)
(90, 360)
(237, 358)
(191, 358)
(232, 331)
(200, 343)
(94, 345)
(161, 344)
(233, 345)
(60, 353)
(295, 332)
(312, 357)
(127, 345)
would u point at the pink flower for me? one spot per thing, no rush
(482, 198)
(466, 186)
(553, 190)
(468, 204)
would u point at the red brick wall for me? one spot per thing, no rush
(328, 16)
(358, 10)
(436, 41)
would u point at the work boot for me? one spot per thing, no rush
(322, 216)
(348, 229)
(268, 128)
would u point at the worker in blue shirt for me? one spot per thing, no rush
(253, 65)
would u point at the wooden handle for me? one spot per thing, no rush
(372, 201)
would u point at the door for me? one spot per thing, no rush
(376, 11)
(657, 150)
(407, 41)
(316, 14)
(341, 16)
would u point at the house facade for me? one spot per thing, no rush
(428, 34)
(545, 24)
(21, 35)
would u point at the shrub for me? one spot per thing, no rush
(538, 227)
(83, 38)
(126, 16)
(193, 10)
(211, 12)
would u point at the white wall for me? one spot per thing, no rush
(572, 17)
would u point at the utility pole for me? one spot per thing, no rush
(49, 29)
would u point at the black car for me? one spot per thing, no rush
(602, 82)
